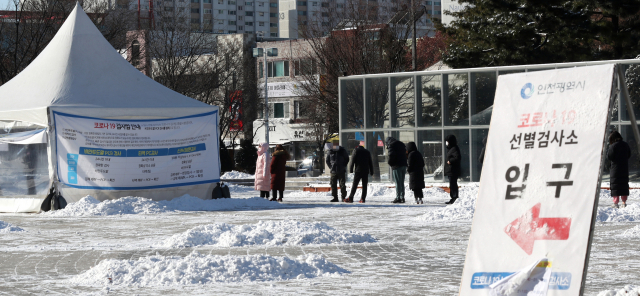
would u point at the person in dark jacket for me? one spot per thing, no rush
(415, 169)
(619, 154)
(361, 160)
(337, 160)
(452, 167)
(398, 163)
(278, 171)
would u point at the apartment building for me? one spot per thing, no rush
(294, 14)
(259, 17)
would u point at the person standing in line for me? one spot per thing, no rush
(337, 160)
(278, 172)
(398, 163)
(619, 154)
(263, 171)
(452, 167)
(361, 160)
(415, 169)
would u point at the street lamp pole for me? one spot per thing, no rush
(258, 52)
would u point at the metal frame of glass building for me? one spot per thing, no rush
(426, 106)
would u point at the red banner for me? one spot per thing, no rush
(235, 110)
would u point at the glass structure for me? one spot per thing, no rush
(426, 106)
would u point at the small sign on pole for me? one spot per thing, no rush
(539, 184)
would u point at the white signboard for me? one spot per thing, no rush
(540, 178)
(283, 89)
(94, 153)
(450, 6)
(281, 131)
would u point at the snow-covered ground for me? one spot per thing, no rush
(236, 175)
(247, 245)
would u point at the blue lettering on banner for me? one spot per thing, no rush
(482, 280)
(72, 168)
(72, 177)
(103, 152)
(146, 152)
(187, 149)
(560, 281)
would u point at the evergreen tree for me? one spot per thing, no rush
(500, 32)
(246, 157)
(617, 25)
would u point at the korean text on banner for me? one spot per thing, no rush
(540, 176)
(94, 153)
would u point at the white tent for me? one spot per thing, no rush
(80, 73)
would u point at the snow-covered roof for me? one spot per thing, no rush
(79, 68)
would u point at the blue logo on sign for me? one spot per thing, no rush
(527, 91)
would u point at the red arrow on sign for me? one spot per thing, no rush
(529, 228)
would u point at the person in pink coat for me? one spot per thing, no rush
(263, 171)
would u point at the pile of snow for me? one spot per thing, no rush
(632, 232)
(628, 290)
(267, 233)
(236, 175)
(197, 269)
(461, 210)
(629, 214)
(89, 206)
(8, 227)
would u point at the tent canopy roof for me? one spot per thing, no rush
(79, 68)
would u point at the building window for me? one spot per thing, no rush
(249, 23)
(195, 1)
(232, 12)
(273, 25)
(261, 24)
(220, 1)
(195, 21)
(273, 5)
(232, 32)
(301, 3)
(220, 11)
(248, 13)
(324, 4)
(273, 14)
(195, 10)
(279, 110)
(273, 34)
(207, 11)
(437, 12)
(220, 22)
(240, 28)
(240, 18)
(206, 1)
(239, 7)
(314, 3)
(304, 67)
(340, 5)
(325, 14)
(300, 12)
(298, 110)
(135, 53)
(248, 3)
(261, 4)
(260, 70)
(232, 23)
(261, 13)
(278, 69)
(168, 9)
(232, 2)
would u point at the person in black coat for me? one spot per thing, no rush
(398, 163)
(361, 160)
(619, 154)
(415, 169)
(337, 160)
(452, 167)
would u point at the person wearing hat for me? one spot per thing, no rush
(337, 160)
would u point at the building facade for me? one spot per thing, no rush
(426, 106)
(259, 17)
(287, 117)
